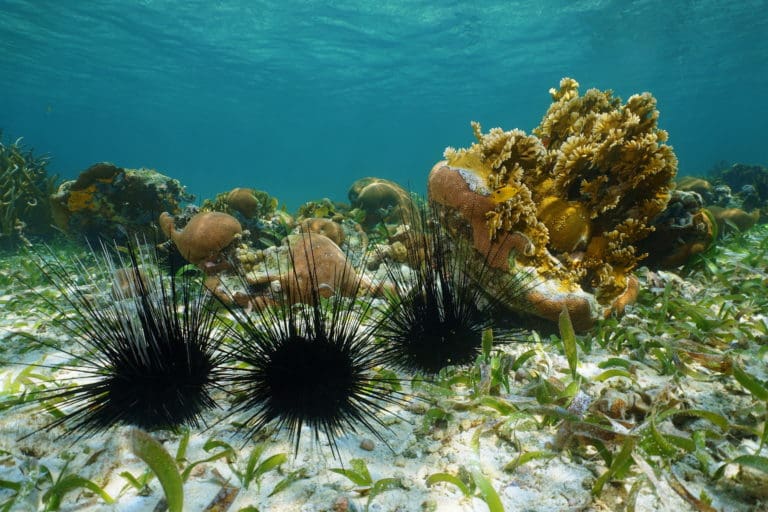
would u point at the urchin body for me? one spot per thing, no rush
(436, 315)
(311, 379)
(146, 354)
(432, 327)
(161, 382)
(309, 361)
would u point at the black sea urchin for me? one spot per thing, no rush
(144, 351)
(310, 358)
(440, 306)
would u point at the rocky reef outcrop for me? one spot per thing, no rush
(109, 201)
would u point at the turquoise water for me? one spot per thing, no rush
(301, 98)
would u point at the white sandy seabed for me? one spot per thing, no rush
(558, 483)
(561, 481)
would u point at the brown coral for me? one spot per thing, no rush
(308, 259)
(448, 187)
(381, 200)
(204, 237)
(326, 227)
(463, 210)
(734, 219)
(317, 259)
(244, 201)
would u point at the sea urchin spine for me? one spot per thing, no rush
(146, 353)
(310, 360)
(439, 308)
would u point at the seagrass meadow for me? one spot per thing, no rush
(665, 406)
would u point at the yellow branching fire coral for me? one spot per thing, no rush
(500, 166)
(612, 159)
(583, 188)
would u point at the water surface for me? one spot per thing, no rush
(299, 98)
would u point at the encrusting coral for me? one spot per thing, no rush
(582, 191)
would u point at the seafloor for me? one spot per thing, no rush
(671, 416)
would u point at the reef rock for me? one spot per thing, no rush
(571, 202)
(684, 229)
(750, 181)
(694, 184)
(108, 201)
